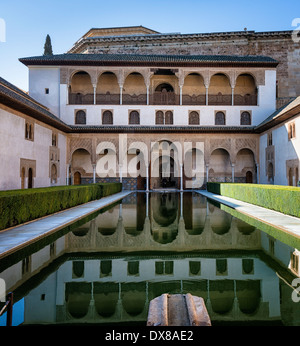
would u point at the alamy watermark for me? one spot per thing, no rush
(165, 160)
(2, 291)
(296, 291)
(295, 34)
(2, 30)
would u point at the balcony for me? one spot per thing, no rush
(163, 87)
(162, 98)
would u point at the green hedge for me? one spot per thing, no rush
(285, 199)
(19, 206)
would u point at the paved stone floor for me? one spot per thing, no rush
(14, 238)
(286, 223)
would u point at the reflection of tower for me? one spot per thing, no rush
(194, 213)
(164, 217)
(181, 223)
(120, 226)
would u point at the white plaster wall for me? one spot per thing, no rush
(266, 106)
(285, 149)
(41, 78)
(15, 146)
(267, 95)
(262, 158)
(147, 114)
(62, 145)
(12, 133)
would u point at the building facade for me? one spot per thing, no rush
(156, 111)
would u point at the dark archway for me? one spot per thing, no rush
(249, 177)
(77, 178)
(30, 178)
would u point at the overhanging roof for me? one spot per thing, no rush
(150, 60)
(18, 100)
(280, 115)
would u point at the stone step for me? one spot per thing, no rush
(178, 310)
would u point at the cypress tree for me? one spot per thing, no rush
(48, 46)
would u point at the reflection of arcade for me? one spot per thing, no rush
(233, 290)
(163, 221)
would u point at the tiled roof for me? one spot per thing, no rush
(17, 99)
(280, 115)
(130, 59)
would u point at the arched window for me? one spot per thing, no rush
(30, 178)
(107, 118)
(159, 118)
(27, 131)
(271, 173)
(290, 176)
(245, 118)
(80, 117)
(53, 174)
(164, 118)
(164, 87)
(194, 118)
(23, 178)
(291, 131)
(270, 139)
(30, 131)
(54, 139)
(220, 118)
(134, 118)
(169, 118)
(77, 178)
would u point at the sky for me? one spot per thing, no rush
(25, 24)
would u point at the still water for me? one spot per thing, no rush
(106, 268)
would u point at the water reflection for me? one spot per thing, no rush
(109, 268)
(164, 222)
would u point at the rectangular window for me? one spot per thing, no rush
(291, 131)
(295, 261)
(29, 131)
(164, 268)
(54, 139)
(46, 91)
(270, 139)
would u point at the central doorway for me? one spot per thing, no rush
(164, 174)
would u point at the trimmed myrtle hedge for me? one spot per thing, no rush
(285, 199)
(19, 206)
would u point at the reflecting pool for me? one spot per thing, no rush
(106, 268)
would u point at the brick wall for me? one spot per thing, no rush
(278, 45)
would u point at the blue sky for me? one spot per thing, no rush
(28, 22)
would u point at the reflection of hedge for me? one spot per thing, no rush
(285, 199)
(19, 206)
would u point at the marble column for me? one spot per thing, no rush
(181, 177)
(94, 173)
(232, 172)
(147, 178)
(67, 174)
(95, 88)
(121, 92)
